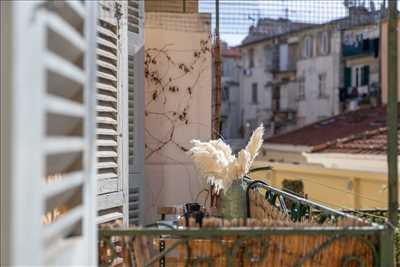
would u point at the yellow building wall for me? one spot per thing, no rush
(282, 156)
(339, 189)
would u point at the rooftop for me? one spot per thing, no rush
(267, 28)
(372, 142)
(233, 52)
(334, 128)
(258, 34)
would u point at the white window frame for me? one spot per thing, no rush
(308, 46)
(251, 57)
(324, 43)
(302, 89)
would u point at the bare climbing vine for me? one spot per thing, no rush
(164, 77)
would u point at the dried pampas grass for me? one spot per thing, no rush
(214, 159)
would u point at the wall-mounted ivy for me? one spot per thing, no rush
(166, 80)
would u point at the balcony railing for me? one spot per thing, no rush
(301, 233)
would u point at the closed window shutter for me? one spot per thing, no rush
(133, 16)
(347, 77)
(365, 75)
(52, 148)
(109, 187)
(135, 110)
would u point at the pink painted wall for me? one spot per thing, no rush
(170, 178)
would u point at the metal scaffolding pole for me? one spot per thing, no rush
(392, 113)
(217, 85)
(392, 124)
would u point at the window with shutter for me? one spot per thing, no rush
(110, 199)
(365, 75)
(254, 93)
(51, 152)
(347, 77)
(136, 110)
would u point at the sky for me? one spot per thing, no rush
(236, 16)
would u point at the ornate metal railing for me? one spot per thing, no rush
(316, 236)
(249, 247)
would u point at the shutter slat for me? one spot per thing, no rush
(106, 120)
(54, 145)
(107, 43)
(102, 97)
(106, 76)
(109, 21)
(63, 224)
(108, 201)
(107, 175)
(78, 7)
(105, 186)
(106, 87)
(64, 68)
(105, 109)
(106, 154)
(107, 65)
(57, 24)
(106, 165)
(103, 131)
(104, 53)
(102, 142)
(109, 217)
(60, 105)
(67, 182)
(107, 32)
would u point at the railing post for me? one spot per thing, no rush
(386, 252)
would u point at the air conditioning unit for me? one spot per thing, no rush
(247, 72)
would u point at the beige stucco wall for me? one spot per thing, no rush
(178, 6)
(384, 69)
(254, 113)
(314, 108)
(169, 175)
(332, 187)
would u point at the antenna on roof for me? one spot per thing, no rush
(252, 19)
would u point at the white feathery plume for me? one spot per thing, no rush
(255, 142)
(214, 159)
(243, 163)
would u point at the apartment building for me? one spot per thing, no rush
(230, 95)
(310, 72)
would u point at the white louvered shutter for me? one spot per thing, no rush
(110, 173)
(51, 140)
(136, 110)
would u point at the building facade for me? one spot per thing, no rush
(230, 95)
(318, 75)
(310, 72)
(361, 60)
(280, 84)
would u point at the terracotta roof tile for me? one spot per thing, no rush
(322, 133)
(231, 52)
(368, 142)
